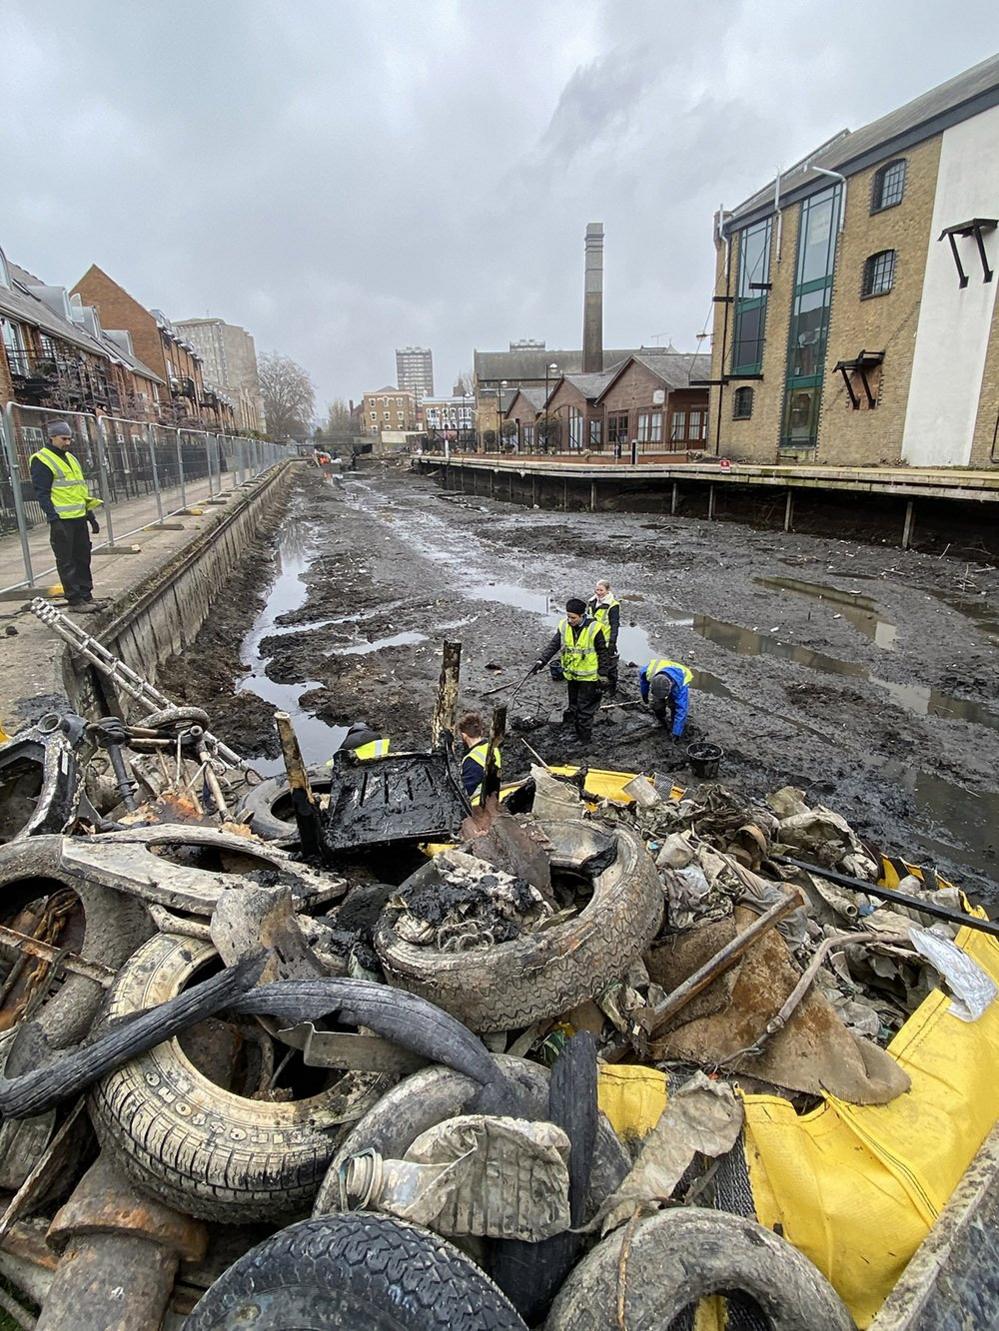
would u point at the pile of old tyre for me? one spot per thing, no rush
(210, 1068)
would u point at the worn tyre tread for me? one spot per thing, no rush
(540, 975)
(679, 1256)
(191, 1144)
(422, 1280)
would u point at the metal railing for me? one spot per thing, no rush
(145, 473)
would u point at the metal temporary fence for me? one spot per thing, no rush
(145, 473)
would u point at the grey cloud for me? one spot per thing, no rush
(346, 177)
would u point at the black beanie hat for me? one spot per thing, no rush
(575, 605)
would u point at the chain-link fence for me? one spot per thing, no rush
(145, 474)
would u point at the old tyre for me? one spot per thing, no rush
(113, 928)
(434, 1094)
(539, 975)
(196, 1146)
(269, 803)
(353, 1272)
(676, 1257)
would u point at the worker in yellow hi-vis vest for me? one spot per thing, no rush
(62, 494)
(363, 743)
(472, 730)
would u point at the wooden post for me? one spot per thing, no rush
(534, 490)
(302, 799)
(492, 484)
(446, 707)
(910, 523)
(675, 501)
(593, 496)
(490, 770)
(511, 487)
(711, 502)
(565, 496)
(789, 511)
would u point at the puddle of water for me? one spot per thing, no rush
(287, 593)
(860, 611)
(916, 699)
(365, 648)
(975, 610)
(962, 825)
(509, 593)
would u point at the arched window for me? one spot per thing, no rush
(879, 274)
(742, 404)
(889, 185)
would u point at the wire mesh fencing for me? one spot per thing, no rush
(145, 474)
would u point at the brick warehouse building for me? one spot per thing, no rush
(855, 296)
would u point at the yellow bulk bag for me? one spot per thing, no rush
(633, 1098)
(857, 1188)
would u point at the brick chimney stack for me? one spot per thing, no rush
(593, 300)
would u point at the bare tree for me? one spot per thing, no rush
(288, 395)
(338, 422)
(463, 385)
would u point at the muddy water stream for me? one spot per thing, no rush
(295, 553)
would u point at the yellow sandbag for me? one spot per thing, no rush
(857, 1188)
(632, 1097)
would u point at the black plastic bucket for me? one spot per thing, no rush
(705, 758)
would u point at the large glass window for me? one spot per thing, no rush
(617, 428)
(575, 428)
(750, 313)
(809, 328)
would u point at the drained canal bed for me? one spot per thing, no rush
(865, 675)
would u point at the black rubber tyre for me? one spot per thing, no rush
(115, 926)
(537, 976)
(677, 1257)
(269, 803)
(354, 1272)
(434, 1094)
(196, 1146)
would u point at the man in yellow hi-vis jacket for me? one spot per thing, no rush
(61, 490)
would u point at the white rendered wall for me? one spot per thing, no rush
(953, 331)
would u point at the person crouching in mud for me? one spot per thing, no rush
(665, 686)
(582, 645)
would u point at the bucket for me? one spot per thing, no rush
(704, 759)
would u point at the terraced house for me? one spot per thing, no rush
(855, 311)
(55, 352)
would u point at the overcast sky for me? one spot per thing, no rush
(343, 177)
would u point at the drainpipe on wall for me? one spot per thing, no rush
(724, 346)
(780, 216)
(836, 175)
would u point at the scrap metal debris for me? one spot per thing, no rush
(274, 990)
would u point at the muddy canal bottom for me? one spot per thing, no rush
(455, 570)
